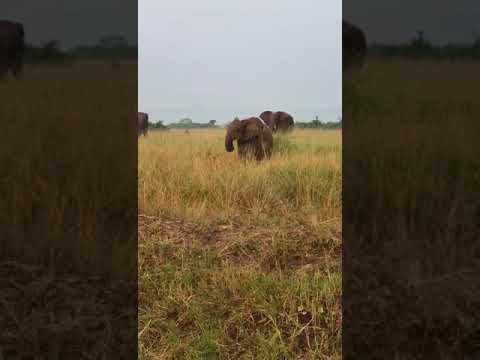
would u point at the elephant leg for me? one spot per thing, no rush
(261, 147)
(252, 151)
(260, 151)
(241, 150)
(268, 153)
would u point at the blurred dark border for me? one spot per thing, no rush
(411, 206)
(68, 180)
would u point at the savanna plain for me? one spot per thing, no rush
(411, 210)
(68, 211)
(239, 259)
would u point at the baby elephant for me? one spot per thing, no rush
(253, 137)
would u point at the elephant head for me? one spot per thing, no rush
(142, 124)
(244, 131)
(283, 121)
(277, 121)
(269, 118)
(253, 138)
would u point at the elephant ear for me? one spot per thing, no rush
(251, 128)
(279, 116)
(266, 116)
(269, 118)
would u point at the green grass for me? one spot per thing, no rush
(239, 260)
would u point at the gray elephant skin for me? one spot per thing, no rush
(253, 138)
(278, 121)
(142, 124)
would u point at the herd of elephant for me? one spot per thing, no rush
(254, 135)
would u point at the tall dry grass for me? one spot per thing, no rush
(68, 174)
(239, 258)
(411, 207)
(192, 176)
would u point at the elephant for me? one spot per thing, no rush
(253, 138)
(278, 121)
(354, 46)
(142, 124)
(12, 48)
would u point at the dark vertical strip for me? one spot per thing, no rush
(68, 181)
(411, 204)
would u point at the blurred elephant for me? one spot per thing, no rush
(278, 121)
(12, 48)
(142, 124)
(253, 138)
(354, 46)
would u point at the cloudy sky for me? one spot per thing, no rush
(217, 59)
(73, 23)
(442, 21)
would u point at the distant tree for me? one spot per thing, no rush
(317, 124)
(212, 122)
(186, 121)
(51, 49)
(419, 42)
(159, 125)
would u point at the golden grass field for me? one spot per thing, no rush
(239, 259)
(243, 260)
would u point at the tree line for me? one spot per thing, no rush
(420, 47)
(108, 47)
(188, 123)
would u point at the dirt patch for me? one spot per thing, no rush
(167, 231)
(287, 247)
(64, 317)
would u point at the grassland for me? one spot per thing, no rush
(239, 260)
(411, 210)
(66, 135)
(68, 201)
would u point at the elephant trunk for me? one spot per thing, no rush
(229, 142)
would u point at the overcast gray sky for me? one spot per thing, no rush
(73, 23)
(443, 21)
(217, 59)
